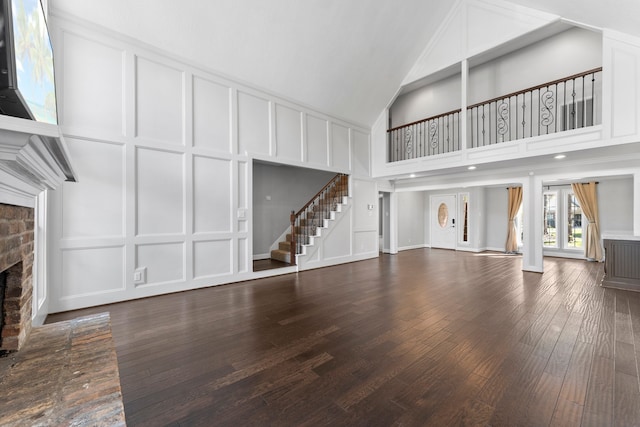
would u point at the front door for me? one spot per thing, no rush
(443, 221)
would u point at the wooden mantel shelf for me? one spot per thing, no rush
(33, 157)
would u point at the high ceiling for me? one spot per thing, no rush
(345, 58)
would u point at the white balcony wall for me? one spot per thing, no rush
(164, 153)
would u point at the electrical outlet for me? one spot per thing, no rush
(140, 276)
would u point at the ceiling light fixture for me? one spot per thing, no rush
(413, 175)
(471, 168)
(560, 156)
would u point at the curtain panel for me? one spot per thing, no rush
(515, 199)
(588, 198)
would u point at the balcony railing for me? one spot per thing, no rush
(434, 135)
(557, 106)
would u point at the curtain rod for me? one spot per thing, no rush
(565, 185)
(558, 185)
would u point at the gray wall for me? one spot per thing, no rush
(289, 188)
(558, 56)
(411, 219)
(428, 101)
(384, 221)
(497, 200)
(615, 200)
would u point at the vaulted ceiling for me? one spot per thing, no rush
(345, 58)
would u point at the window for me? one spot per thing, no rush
(520, 225)
(465, 218)
(550, 214)
(574, 222)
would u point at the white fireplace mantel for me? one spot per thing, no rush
(33, 157)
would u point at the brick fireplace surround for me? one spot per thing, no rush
(16, 259)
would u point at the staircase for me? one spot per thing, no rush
(314, 216)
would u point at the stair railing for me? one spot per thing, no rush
(305, 222)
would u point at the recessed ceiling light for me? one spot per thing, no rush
(560, 156)
(471, 168)
(413, 175)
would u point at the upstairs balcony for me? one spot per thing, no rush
(562, 105)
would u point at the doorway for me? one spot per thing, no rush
(384, 223)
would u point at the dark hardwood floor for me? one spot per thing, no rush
(269, 264)
(425, 337)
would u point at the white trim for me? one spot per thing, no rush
(408, 248)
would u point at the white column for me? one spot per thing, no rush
(393, 223)
(464, 70)
(636, 204)
(532, 259)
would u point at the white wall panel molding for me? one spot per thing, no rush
(317, 140)
(361, 153)
(212, 187)
(212, 112)
(212, 258)
(91, 242)
(160, 192)
(288, 130)
(163, 262)
(166, 162)
(95, 208)
(160, 101)
(78, 272)
(620, 88)
(340, 147)
(254, 125)
(83, 92)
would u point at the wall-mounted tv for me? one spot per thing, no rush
(27, 85)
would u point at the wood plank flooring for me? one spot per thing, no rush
(425, 337)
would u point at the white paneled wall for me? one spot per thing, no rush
(163, 152)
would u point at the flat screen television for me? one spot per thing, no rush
(27, 84)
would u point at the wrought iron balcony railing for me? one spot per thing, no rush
(427, 137)
(565, 104)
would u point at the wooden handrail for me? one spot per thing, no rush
(328, 184)
(531, 89)
(293, 243)
(425, 120)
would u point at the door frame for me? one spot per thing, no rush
(452, 210)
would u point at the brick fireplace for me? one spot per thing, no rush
(16, 262)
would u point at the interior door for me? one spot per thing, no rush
(443, 221)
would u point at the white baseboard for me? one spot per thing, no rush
(407, 248)
(258, 257)
(470, 249)
(562, 254)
